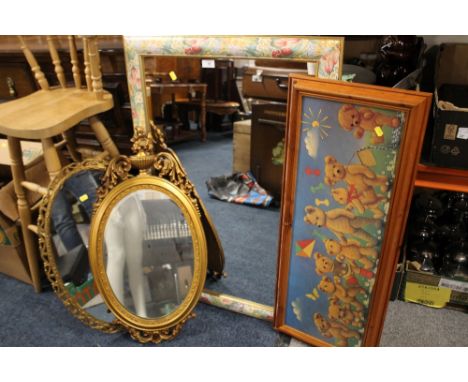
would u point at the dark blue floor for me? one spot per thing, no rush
(249, 238)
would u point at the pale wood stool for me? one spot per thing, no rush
(50, 112)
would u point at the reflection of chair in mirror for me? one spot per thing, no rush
(124, 242)
(50, 112)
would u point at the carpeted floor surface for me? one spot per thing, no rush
(249, 237)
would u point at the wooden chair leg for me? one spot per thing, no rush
(30, 241)
(69, 137)
(51, 158)
(103, 137)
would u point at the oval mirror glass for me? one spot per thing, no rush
(148, 253)
(64, 230)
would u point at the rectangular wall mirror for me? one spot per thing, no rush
(223, 85)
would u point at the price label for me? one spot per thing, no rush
(208, 64)
(433, 296)
(83, 198)
(459, 286)
(378, 131)
(173, 75)
(462, 133)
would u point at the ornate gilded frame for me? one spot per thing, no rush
(326, 53)
(47, 249)
(159, 172)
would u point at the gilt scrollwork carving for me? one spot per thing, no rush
(48, 252)
(160, 335)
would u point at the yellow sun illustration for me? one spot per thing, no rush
(317, 122)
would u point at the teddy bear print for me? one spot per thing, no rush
(362, 201)
(334, 329)
(351, 252)
(342, 222)
(360, 120)
(341, 313)
(360, 177)
(336, 290)
(348, 272)
(324, 265)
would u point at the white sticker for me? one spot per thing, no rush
(312, 68)
(462, 133)
(208, 63)
(459, 286)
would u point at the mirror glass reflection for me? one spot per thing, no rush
(71, 216)
(148, 252)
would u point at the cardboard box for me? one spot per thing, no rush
(433, 290)
(450, 132)
(13, 260)
(241, 146)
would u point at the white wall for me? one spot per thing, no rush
(434, 40)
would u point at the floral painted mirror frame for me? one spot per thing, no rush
(159, 172)
(325, 58)
(351, 159)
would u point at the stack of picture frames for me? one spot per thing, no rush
(351, 158)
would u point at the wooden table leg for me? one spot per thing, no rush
(24, 211)
(203, 117)
(103, 137)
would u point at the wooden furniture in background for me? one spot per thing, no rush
(187, 89)
(50, 112)
(17, 80)
(267, 135)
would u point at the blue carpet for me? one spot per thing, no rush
(249, 235)
(249, 238)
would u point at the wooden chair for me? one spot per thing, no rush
(50, 112)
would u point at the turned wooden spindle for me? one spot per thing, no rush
(56, 61)
(51, 158)
(36, 69)
(87, 70)
(17, 170)
(74, 62)
(103, 137)
(93, 54)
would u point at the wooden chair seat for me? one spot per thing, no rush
(47, 113)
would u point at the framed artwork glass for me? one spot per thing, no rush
(351, 156)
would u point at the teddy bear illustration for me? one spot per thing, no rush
(344, 270)
(351, 252)
(362, 201)
(324, 265)
(360, 177)
(334, 329)
(341, 222)
(360, 120)
(345, 295)
(342, 313)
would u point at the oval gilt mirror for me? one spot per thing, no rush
(147, 249)
(63, 226)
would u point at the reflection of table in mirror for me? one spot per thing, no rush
(194, 96)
